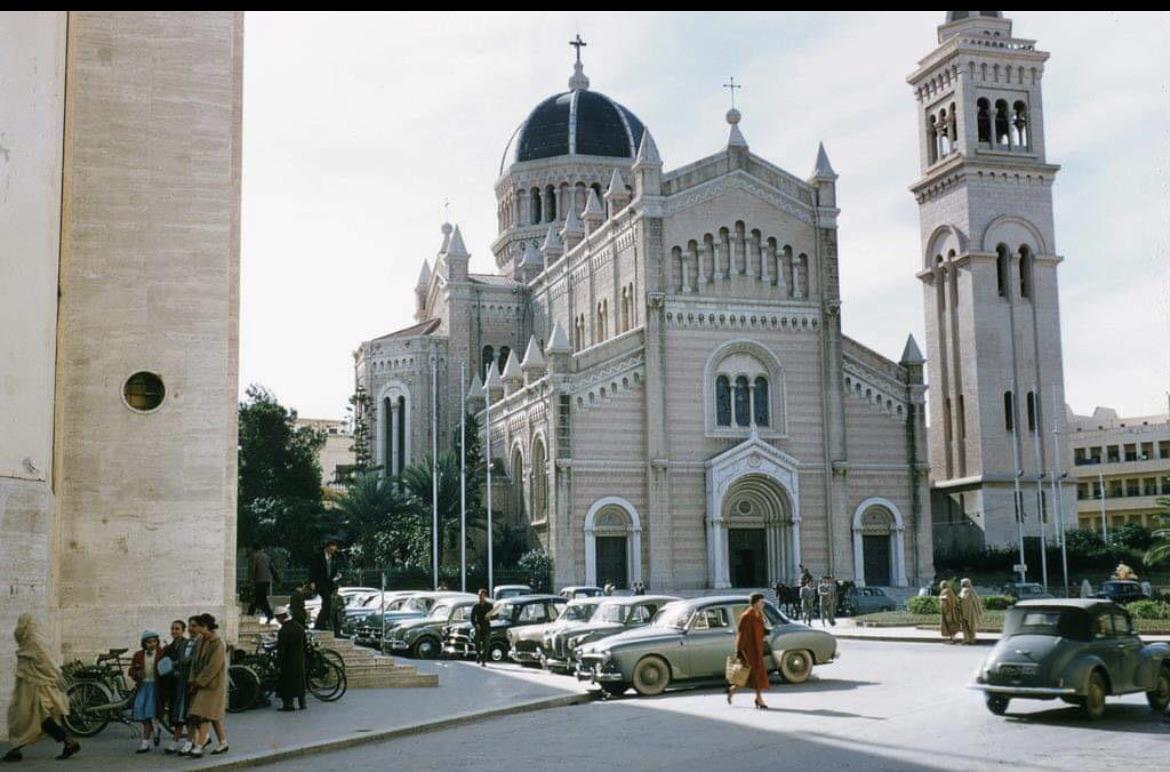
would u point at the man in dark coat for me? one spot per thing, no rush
(290, 661)
(296, 605)
(324, 572)
(262, 574)
(482, 624)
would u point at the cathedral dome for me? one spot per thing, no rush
(576, 122)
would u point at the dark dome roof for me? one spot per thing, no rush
(578, 122)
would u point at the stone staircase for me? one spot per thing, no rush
(364, 668)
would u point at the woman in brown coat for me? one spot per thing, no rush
(749, 647)
(209, 685)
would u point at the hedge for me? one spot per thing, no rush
(1149, 609)
(928, 604)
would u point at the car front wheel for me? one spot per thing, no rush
(796, 666)
(1094, 705)
(425, 648)
(498, 652)
(1159, 696)
(998, 703)
(651, 676)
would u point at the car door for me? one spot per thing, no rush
(1107, 646)
(710, 642)
(1129, 648)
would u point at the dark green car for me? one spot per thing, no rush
(1079, 651)
(423, 638)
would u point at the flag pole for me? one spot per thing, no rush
(463, 476)
(435, 467)
(1057, 486)
(1035, 429)
(488, 457)
(1018, 498)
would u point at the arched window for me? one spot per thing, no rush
(1001, 269)
(742, 402)
(947, 420)
(1020, 124)
(760, 401)
(388, 436)
(1031, 402)
(1009, 421)
(1025, 272)
(539, 481)
(400, 426)
(535, 207)
(517, 486)
(984, 120)
(550, 203)
(722, 401)
(1002, 124)
(932, 138)
(488, 356)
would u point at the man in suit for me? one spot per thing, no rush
(323, 575)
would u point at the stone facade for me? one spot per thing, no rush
(989, 273)
(124, 164)
(671, 396)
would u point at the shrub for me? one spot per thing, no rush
(1149, 609)
(998, 602)
(537, 565)
(923, 605)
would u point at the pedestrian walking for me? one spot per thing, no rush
(290, 661)
(970, 611)
(261, 574)
(482, 624)
(827, 593)
(950, 622)
(38, 705)
(147, 697)
(749, 648)
(209, 687)
(323, 576)
(808, 600)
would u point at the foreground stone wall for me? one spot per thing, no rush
(149, 282)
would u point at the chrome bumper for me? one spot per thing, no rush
(1024, 691)
(594, 674)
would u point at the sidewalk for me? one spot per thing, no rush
(847, 628)
(264, 735)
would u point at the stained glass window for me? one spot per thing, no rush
(722, 401)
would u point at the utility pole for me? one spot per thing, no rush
(463, 476)
(487, 414)
(1057, 497)
(1104, 521)
(1034, 428)
(435, 466)
(1018, 504)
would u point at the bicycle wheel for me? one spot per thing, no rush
(243, 688)
(86, 700)
(334, 657)
(326, 680)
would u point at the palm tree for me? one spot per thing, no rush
(1160, 551)
(417, 479)
(381, 521)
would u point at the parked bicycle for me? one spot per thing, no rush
(324, 671)
(101, 693)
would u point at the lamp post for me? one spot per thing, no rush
(1017, 503)
(463, 476)
(488, 457)
(435, 466)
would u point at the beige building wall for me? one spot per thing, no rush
(1130, 457)
(149, 282)
(32, 106)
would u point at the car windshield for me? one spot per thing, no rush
(1061, 622)
(504, 611)
(673, 614)
(1119, 587)
(439, 611)
(610, 612)
(578, 612)
(1031, 589)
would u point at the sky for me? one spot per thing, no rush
(357, 128)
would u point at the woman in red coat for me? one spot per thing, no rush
(749, 647)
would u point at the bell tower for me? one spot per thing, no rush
(988, 268)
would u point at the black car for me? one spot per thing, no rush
(1121, 591)
(459, 639)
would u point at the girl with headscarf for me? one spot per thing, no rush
(38, 704)
(147, 696)
(948, 606)
(970, 611)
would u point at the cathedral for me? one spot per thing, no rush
(660, 359)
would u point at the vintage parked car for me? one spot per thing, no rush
(422, 638)
(519, 611)
(1121, 591)
(414, 605)
(867, 600)
(1079, 650)
(1026, 591)
(580, 591)
(313, 604)
(528, 645)
(359, 607)
(501, 591)
(690, 640)
(615, 615)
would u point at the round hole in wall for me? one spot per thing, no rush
(745, 507)
(144, 391)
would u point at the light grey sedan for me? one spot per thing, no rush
(690, 640)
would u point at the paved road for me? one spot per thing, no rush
(884, 706)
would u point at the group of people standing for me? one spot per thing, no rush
(960, 613)
(811, 598)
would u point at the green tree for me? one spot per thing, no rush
(279, 487)
(381, 523)
(1160, 551)
(416, 480)
(362, 415)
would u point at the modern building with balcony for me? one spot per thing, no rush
(1121, 466)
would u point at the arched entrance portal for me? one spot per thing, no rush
(759, 539)
(878, 546)
(613, 543)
